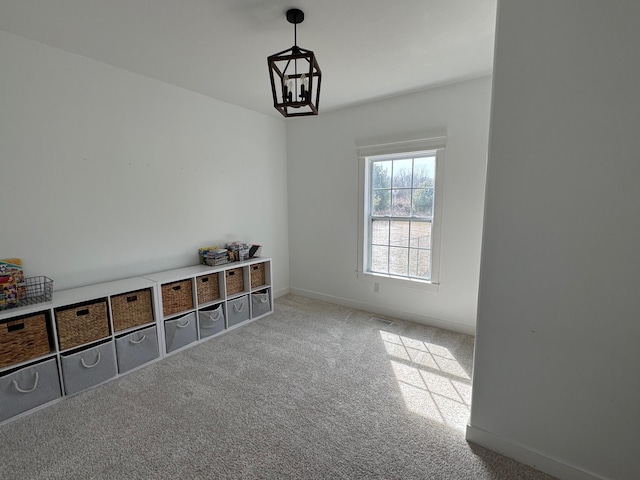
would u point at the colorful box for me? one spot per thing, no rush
(12, 285)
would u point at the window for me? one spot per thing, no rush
(400, 210)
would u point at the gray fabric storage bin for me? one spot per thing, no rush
(88, 367)
(238, 310)
(211, 321)
(28, 388)
(137, 348)
(180, 331)
(260, 303)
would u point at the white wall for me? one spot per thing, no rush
(323, 201)
(556, 379)
(106, 174)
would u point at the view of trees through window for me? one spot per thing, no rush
(401, 215)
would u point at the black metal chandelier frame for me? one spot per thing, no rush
(295, 76)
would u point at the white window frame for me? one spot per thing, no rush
(431, 146)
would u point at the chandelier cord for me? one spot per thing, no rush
(295, 61)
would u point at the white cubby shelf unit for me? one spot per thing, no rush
(200, 302)
(89, 335)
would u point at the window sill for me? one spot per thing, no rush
(399, 281)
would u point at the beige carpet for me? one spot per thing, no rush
(313, 391)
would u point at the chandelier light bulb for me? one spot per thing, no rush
(304, 86)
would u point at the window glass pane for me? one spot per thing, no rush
(381, 175)
(420, 263)
(380, 232)
(413, 263)
(420, 235)
(423, 263)
(398, 261)
(402, 173)
(400, 234)
(424, 172)
(381, 202)
(401, 203)
(380, 259)
(423, 202)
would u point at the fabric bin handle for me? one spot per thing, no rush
(183, 326)
(238, 309)
(213, 319)
(35, 384)
(135, 342)
(90, 366)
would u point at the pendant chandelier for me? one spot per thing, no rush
(295, 76)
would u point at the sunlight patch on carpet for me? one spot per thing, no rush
(432, 382)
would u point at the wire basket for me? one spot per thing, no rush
(33, 290)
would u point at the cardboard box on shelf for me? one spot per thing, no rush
(12, 284)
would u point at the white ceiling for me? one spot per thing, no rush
(367, 49)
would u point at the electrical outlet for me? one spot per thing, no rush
(376, 287)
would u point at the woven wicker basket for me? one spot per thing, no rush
(234, 281)
(131, 309)
(23, 339)
(257, 275)
(82, 323)
(207, 288)
(177, 297)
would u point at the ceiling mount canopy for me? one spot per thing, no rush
(295, 76)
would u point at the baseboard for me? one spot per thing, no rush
(527, 456)
(280, 292)
(367, 307)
